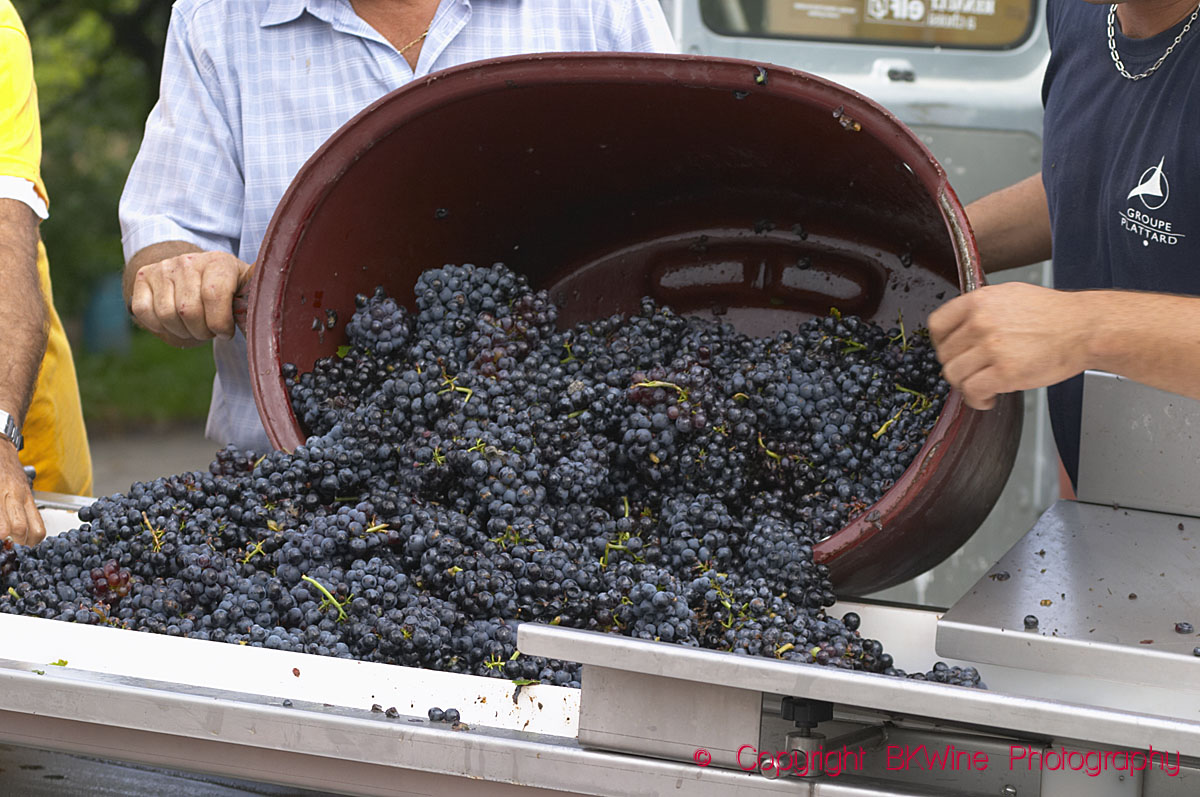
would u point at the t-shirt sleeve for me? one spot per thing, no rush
(186, 183)
(1052, 13)
(20, 133)
(25, 192)
(640, 26)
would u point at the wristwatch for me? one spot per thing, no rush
(9, 429)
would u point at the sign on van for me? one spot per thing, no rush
(988, 24)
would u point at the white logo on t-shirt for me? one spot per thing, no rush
(1153, 183)
(1152, 190)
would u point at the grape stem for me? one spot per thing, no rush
(328, 595)
(887, 424)
(768, 451)
(658, 383)
(155, 533)
(449, 382)
(921, 403)
(257, 549)
(903, 334)
(850, 344)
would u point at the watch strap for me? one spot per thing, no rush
(9, 429)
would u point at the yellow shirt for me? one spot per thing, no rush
(55, 438)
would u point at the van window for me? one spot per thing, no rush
(979, 24)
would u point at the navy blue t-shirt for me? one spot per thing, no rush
(1121, 166)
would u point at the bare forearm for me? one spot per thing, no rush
(23, 316)
(1151, 338)
(1012, 226)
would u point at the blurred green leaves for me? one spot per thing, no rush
(152, 384)
(97, 65)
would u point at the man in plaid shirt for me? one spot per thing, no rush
(250, 89)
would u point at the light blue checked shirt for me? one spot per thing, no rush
(251, 88)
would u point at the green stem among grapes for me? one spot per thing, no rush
(328, 595)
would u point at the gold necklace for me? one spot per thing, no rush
(416, 40)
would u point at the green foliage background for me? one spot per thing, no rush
(97, 64)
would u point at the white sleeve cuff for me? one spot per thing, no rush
(22, 190)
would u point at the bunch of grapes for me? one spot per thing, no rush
(470, 467)
(111, 582)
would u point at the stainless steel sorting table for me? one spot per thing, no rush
(646, 709)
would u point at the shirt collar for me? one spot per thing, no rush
(281, 11)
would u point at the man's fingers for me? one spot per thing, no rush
(188, 299)
(245, 272)
(958, 368)
(21, 520)
(218, 288)
(141, 304)
(15, 523)
(187, 282)
(1003, 338)
(947, 318)
(162, 285)
(973, 373)
(177, 306)
(963, 339)
(19, 516)
(979, 390)
(35, 529)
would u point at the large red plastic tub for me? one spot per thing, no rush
(714, 185)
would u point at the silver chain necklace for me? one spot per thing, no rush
(1112, 45)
